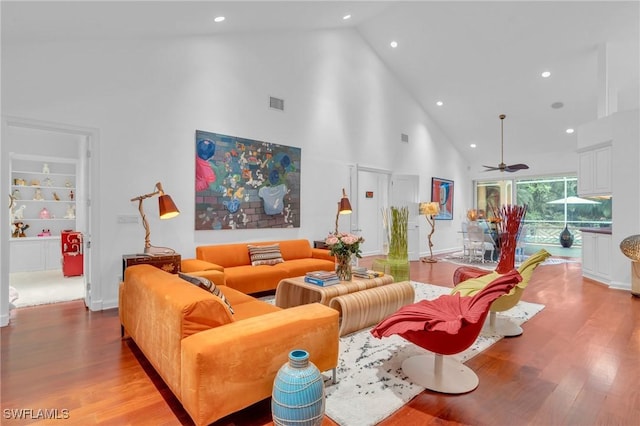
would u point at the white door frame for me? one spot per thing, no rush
(381, 195)
(88, 173)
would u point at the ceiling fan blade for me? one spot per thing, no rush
(516, 167)
(491, 168)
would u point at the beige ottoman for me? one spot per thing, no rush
(363, 308)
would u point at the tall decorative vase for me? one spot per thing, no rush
(508, 227)
(507, 260)
(343, 266)
(298, 392)
(566, 237)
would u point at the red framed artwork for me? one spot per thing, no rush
(442, 193)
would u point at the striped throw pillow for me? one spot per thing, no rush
(265, 255)
(206, 285)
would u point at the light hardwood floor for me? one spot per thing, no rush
(577, 363)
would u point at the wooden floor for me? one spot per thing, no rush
(577, 363)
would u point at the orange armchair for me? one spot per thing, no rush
(444, 326)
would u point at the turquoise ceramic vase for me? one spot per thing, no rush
(298, 392)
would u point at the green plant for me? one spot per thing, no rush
(399, 248)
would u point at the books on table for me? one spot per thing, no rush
(321, 278)
(362, 272)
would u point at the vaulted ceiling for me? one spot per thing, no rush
(480, 59)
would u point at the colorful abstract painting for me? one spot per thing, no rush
(442, 192)
(245, 184)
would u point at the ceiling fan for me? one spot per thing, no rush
(502, 166)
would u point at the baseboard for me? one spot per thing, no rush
(618, 285)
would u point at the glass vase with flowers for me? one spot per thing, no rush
(344, 247)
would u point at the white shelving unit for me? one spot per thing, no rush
(44, 189)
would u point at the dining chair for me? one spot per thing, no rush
(466, 244)
(477, 243)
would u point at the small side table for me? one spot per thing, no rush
(166, 262)
(320, 244)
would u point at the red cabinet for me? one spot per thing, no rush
(72, 257)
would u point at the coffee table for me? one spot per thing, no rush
(295, 291)
(361, 302)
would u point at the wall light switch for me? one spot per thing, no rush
(124, 218)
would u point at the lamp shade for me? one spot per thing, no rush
(630, 247)
(167, 207)
(429, 209)
(345, 205)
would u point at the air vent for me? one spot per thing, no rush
(275, 103)
(404, 138)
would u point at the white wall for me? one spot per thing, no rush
(147, 97)
(626, 183)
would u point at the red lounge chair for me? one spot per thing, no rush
(445, 326)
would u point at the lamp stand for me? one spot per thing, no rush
(431, 221)
(635, 278)
(148, 248)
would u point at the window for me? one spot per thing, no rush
(552, 204)
(491, 195)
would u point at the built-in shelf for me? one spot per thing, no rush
(40, 184)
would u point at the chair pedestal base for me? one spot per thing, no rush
(501, 326)
(439, 373)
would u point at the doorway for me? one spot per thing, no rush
(41, 140)
(373, 196)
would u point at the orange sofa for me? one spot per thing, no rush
(216, 362)
(298, 255)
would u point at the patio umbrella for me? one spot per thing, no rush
(573, 200)
(566, 239)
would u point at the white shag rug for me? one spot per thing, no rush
(370, 383)
(42, 287)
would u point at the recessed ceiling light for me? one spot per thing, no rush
(570, 131)
(394, 44)
(546, 74)
(219, 19)
(439, 103)
(345, 17)
(473, 145)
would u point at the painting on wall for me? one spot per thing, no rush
(245, 184)
(442, 193)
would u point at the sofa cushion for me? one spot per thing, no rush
(265, 254)
(225, 255)
(195, 265)
(299, 267)
(207, 285)
(252, 279)
(295, 249)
